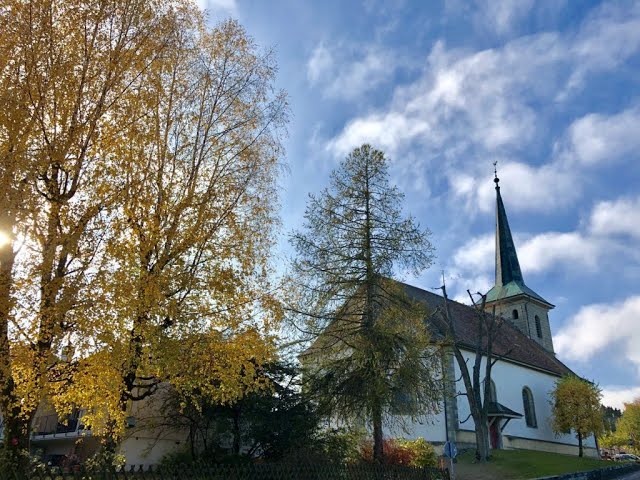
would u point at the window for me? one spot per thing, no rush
(538, 327)
(492, 392)
(514, 314)
(529, 408)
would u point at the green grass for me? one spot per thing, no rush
(524, 464)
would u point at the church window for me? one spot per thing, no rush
(538, 327)
(529, 408)
(515, 314)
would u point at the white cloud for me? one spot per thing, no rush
(319, 64)
(229, 7)
(596, 139)
(349, 72)
(621, 216)
(617, 396)
(537, 254)
(560, 249)
(525, 187)
(468, 108)
(476, 255)
(502, 15)
(599, 326)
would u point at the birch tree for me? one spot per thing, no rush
(138, 148)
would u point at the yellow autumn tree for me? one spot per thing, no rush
(576, 407)
(628, 427)
(138, 154)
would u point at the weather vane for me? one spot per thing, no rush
(495, 172)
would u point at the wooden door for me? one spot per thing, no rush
(494, 433)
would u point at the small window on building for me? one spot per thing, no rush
(538, 327)
(493, 397)
(529, 408)
(514, 314)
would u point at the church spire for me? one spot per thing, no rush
(507, 265)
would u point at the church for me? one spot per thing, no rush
(523, 377)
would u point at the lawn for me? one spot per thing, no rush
(523, 464)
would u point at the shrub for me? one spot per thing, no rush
(415, 453)
(424, 455)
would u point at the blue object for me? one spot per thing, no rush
(450, 450)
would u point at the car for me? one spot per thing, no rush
(626, 457)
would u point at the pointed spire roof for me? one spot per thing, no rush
(507, 264)
(509, 280)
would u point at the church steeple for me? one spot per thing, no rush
(510, 296)
(507, 264)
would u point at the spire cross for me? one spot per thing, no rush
(495, 172)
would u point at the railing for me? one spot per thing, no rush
(266, 471)
(50, 424)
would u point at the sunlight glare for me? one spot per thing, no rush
(4, 239)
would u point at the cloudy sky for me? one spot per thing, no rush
(550, 89)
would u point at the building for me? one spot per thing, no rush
(522, 378)
(520, 411)
(60, 441)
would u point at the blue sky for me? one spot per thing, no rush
(549, 89)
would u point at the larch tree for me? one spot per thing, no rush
(576, 407)
(137, 150)
(370, 360)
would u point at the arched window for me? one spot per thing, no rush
(493, 397)
(538, 327)
(514, 314)
(529, 408)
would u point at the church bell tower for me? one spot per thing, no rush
(513, 300)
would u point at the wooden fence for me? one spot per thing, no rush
(266, 471)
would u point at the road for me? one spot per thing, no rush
(630, 476)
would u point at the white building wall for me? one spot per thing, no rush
(431, 428)
(509, 380)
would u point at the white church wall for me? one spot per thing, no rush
(430, 427)
(509, 380)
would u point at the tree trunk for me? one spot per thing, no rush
(580, 452)
(16, 434)
(236, 431)
(378, 447)
(483, 451)
(16, 428)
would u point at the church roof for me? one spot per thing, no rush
(507, 264)
(509, 279)
(510, 342)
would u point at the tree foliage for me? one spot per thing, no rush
(137, 148)
(370, 359)
(576, 407)
(627, 433)
(273, 423)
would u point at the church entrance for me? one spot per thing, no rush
(494, 434)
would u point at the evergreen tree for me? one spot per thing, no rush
(371, 359)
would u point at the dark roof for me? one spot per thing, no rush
(510, 341)
(509, 279)
(495, 409)
(507, 265)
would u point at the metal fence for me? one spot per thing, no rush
(266, 471)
